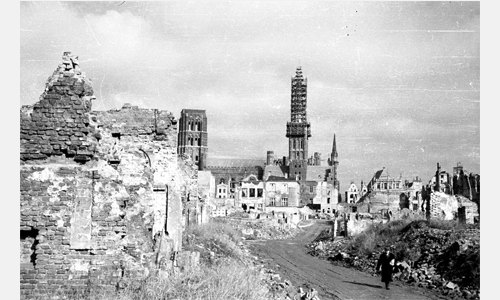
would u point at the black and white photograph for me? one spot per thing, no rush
(282, 150)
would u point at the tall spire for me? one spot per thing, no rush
(334, 148)
(334, 163)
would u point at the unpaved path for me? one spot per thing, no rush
(290, 260)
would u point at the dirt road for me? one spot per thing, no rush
(290, 260)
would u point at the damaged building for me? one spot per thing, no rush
(102, 193)
(384, 194)
(458, 199)
(388, 197)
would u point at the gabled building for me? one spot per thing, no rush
(281, 194)
(363, 189)
(221, 191)
(352, 193)
(382, 181)
(250, 193)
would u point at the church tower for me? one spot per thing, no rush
(192, 138)
(298, 130)
(334, 162)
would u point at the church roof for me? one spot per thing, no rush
(274, 170)
(316, 173)
(384, 175)
(277, 178)
(233, 162)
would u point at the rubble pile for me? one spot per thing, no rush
(282, 288)
(446, 260)
(266, 230)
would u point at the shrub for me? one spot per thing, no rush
(239, 214)
(444, 224)
(365, 242)
(217, 237)
(230, 280)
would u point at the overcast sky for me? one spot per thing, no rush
(398, 82)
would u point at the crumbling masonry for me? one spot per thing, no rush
(101, 192)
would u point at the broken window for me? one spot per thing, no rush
(28, 246)
(244, 192)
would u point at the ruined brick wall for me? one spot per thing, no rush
(446, 207)
(59, 124)
(96, 222)
(383, 200)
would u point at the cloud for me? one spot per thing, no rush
(389, 78)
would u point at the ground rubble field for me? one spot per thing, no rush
(444, 260)
(226, 239)
(265, 229)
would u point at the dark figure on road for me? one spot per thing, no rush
(386, 261)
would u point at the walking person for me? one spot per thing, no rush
(386, 262)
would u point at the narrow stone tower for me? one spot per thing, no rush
(298, 130)
(193, 138)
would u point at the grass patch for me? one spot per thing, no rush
(230, 280)
(214, 241)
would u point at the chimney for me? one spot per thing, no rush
(270, 158)
(438, 171)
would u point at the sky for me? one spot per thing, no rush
(397, 82)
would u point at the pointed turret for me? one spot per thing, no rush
(335, 155)
(333, 162)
